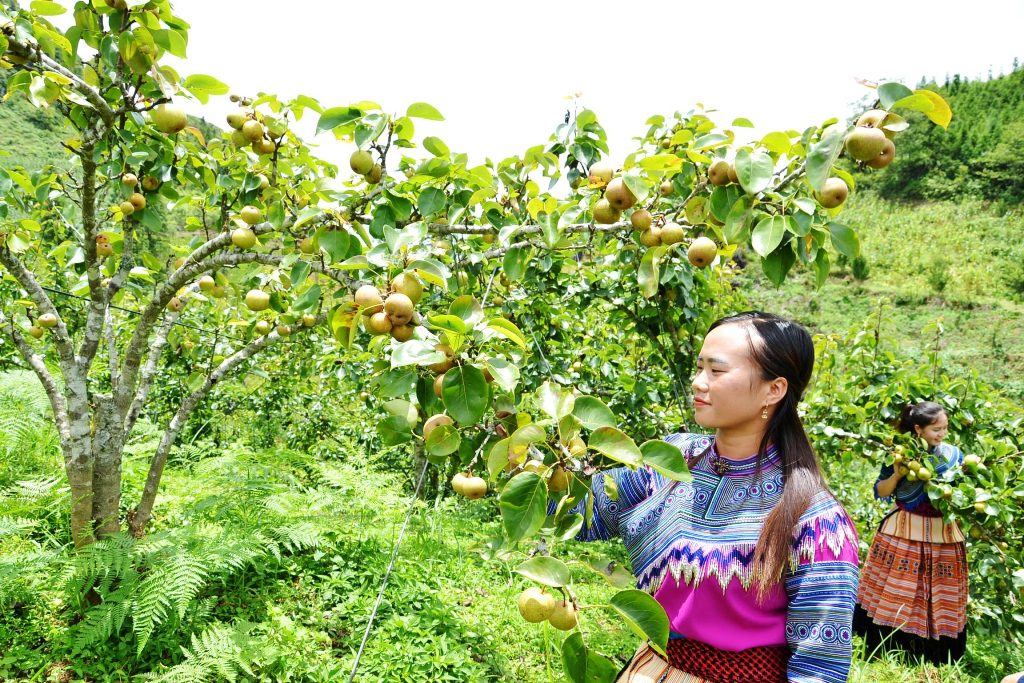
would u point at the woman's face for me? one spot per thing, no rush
(728, 392)
(935, 433)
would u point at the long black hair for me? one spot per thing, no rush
(782, 348)
(918, 415)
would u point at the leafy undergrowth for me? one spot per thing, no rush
(266, 566)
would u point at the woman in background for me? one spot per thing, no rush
(913, 590)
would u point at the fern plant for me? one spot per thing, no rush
(218, 653)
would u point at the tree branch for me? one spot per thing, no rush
(97, 296)
(148, 373)
(144, 511)
(36, 362)
(27, 280)
(91, 94)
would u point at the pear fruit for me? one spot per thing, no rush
(361, 162)
(402, 333)
(833, 193)
(252, 130)
(872, 119)
(150, 183)
(284, 330)
(207, 283)
(308, 319)
(375, 174)
(379, 323)
(535, 605)
(457, 481)
(652, 237)
(257, 300)
(702, 252)
(864, 144)
(47, 320)
(104, 249)
(435, 421)
(600, 174)
(251, 215)
(35, 331)
(559, 479)
(605, 213)
(449, 360)
(474, 488)
(399, 308)
(641, 219)
(368, 299)
(718, 173)
(236, 119)
(127, 208)
(410, 285)
(438, 384)
(262, 327)
(138, 201)
(129, 180)
(563, 616)
(618, 195)
(672, 233)
(733, 178)
(243, 238)
(217, 292)
(885, 157)
(169, 118)
(307, 246)
(666, 188)
(264, 146)
(174, 304)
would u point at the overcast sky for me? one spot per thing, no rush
(500, 72)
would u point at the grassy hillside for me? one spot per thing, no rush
(955, 263)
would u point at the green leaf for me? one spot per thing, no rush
(890, 93)
(583, 665)
(614, 444)
(777, 264)
(422, 110)
(743, 123)
(569, 527)
(738, 219)
(844, 240)
(449, 323)
(777, 142)
(397, 382)
(612, 571)
(823, 155)
(821, 267)
(661, 162)
(44, 8)
(768, 234)
(432, 271)
(497, 459)
(515, 263)
(710, 140)
(648, 274)
(465, 394)
(444, 440)
(666, 459)
(508, 329)
(593, 413)
(467, 308)
(431, 201)
(336, 243)
(754, 170)
(549, 571)
(523, 505)
(640, 188)
(337, 116)
(394, 430)
(644, 615)
(415, 352)
(202, 86)
(436, 147)
(526, 435)
(308, 299)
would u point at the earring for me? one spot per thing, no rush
(764, 413)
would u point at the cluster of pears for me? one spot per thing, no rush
(869, 143)
(467, 484)
(243, 236)
(362, 162)
(537, 605)
(617, 197)
(135, 201)
(912, 469)
(394, 314)
(39, 326)
(249, 131)
(701, 252)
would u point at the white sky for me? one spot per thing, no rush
(500, 73)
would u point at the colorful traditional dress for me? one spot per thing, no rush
(913, 591)
(692, 547)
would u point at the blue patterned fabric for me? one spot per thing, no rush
(912, 493)
(703, 533)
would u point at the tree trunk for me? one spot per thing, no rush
(107, 450)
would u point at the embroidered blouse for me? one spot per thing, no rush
(692, 547)
(911, 495)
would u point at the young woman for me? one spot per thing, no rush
(754, 560)
(913, 592)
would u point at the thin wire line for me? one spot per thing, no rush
(387, 574)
